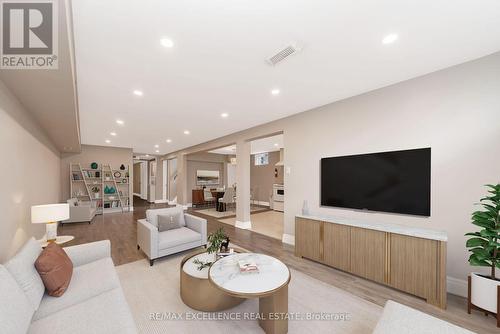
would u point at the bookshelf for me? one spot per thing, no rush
(105, 187)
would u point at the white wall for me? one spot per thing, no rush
(455, 111)
(29, 172)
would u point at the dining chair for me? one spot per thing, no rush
(228, 198)
(208, 198)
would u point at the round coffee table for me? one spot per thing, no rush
(196, 290)
(270, 285)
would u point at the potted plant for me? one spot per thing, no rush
(216, 240)
(484, 290)
(95, 190)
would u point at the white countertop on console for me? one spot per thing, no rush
(384, 227)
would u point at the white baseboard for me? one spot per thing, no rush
(161, 201)
(260, 203)
(456, 286)
(131, 208)
(136, 194)
(243, 225)
(172, 202)
(288, 239)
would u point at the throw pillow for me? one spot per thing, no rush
(55, 268)
(22, 268)
(168, 222)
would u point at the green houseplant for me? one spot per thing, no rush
(215, 240)
(484, 246)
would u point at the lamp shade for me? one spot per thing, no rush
(42, 214)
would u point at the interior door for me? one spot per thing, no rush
(152, 181)
(144, 180)
(165, 180)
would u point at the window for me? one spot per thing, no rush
(261, 159)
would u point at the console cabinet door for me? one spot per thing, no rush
(368, 253)
(307, 238)
(414, 263)
(336, 245)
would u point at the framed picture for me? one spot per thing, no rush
(207, 177)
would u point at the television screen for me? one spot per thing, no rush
(398, 182)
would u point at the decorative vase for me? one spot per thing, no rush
(106, 190)
(122, 167)
(305, 208)
(96, 195)
(98, 174)
(94, 165)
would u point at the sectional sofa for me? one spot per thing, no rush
(93, 303)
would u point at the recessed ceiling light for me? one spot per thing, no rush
(113, 133)
(138, 92)
(389, 39)
(120, 122)
(186, 132)
(275, 91)
(107, 141)
(276, 145)
(167, 42)
(147, 155)
(168, 140)
(157, 151)
(224, 115)
(156, 146)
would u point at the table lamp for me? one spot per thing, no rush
(49, 214)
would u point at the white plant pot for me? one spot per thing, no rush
(96, 195)
(484, 292)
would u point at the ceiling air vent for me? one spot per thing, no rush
(283, 54)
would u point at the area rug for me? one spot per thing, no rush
(153, 296)
(230, 212)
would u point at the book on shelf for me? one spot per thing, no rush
(248, 266)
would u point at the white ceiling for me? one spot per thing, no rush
(218, 63)
(268, 144)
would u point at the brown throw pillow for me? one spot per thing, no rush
(169, 222)
(55, 269)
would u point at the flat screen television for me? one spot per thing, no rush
(396, 182)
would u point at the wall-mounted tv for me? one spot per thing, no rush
(397, 182)
(207, 177)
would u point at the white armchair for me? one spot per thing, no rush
(80, 212)
(159, 244)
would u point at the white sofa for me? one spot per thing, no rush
(80, 212)
(158, 244)
(398, 319)
(93, 303)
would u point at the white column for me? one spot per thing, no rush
(243, 185)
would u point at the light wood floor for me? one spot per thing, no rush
(269, 223)
(121, 229)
